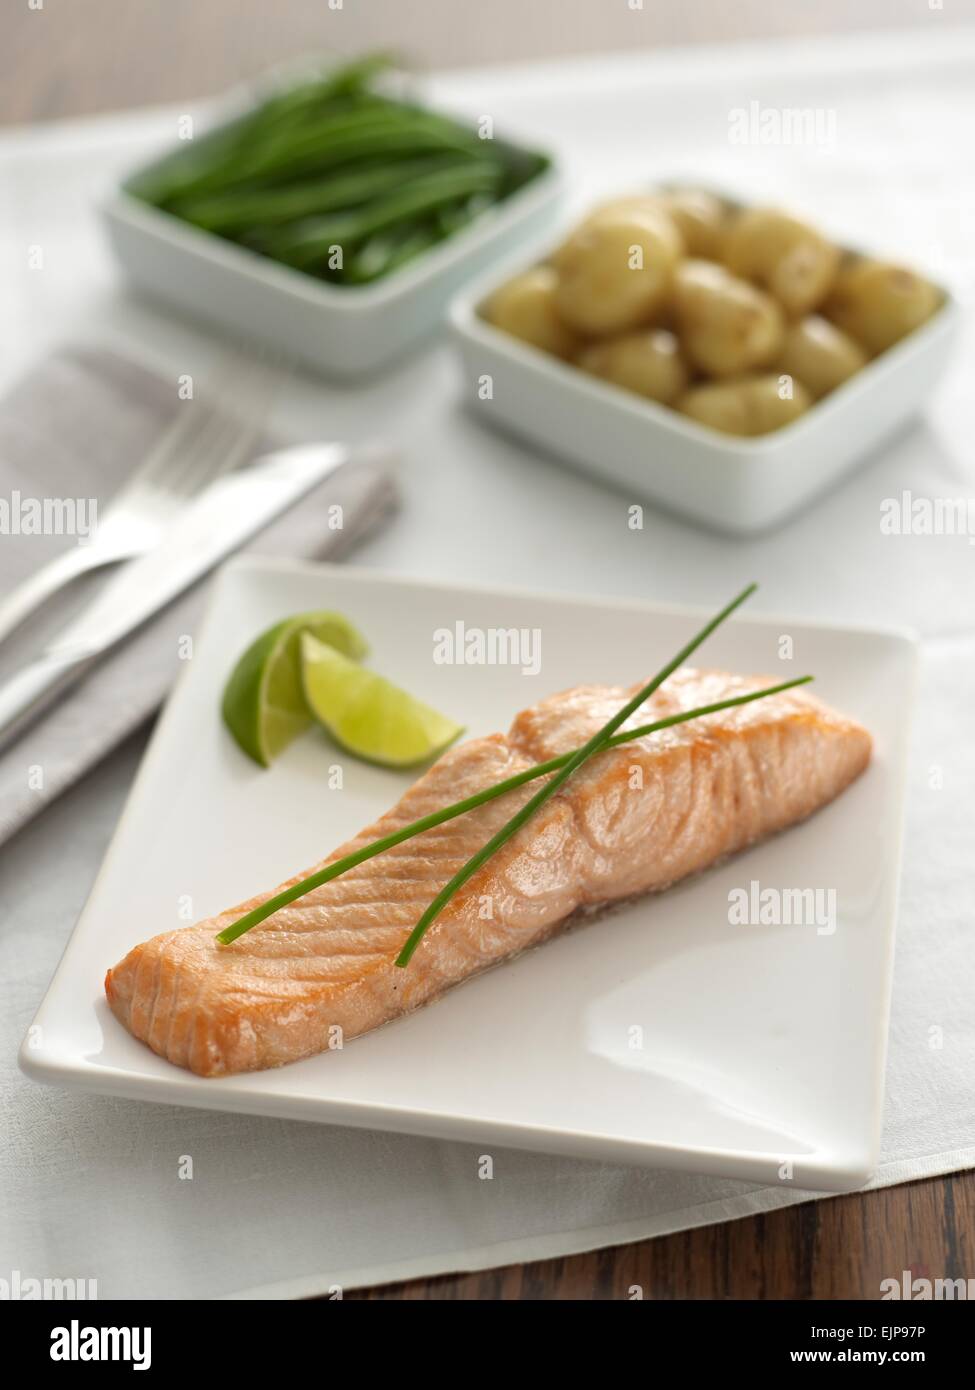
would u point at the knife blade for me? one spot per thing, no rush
(218, 522)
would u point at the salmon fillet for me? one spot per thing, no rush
(634, 819)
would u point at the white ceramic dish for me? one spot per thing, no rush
(343, 331)
(739, 486)
(761, 1046)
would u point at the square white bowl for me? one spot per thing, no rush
(343, 331)
(759, 1046)
(655, 454)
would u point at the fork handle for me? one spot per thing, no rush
(28, 692)
(37, 588)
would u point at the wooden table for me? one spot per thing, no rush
(74, 56)
(68, 58)
(841, 1247)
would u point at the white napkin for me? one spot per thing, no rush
(73, 428)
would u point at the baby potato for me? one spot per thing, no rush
(648, 363)
(748, 406)
(775, 400)
(726, 325)
(625, 203)
(821, 355)
(793, 261)
(700, 218)
(614, 272)
(878, 303)
(525, 307)
(722, 405)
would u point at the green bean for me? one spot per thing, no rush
(313, 239)
(456, 216)
(230, 212)
(385, 252)
(332, 163)
(179, 172)
(328, 143)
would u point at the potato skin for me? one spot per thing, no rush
(526, 308)
(601, 292)
(879, 303)
(623, 203)
(722, 405)
(726, 325)
(792, 260)
(751, 405)
(821, 355)
(701, 219)
(769, 409)
(648, 363)
(765, 312)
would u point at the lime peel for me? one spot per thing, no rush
(263, 703)
(368, 715)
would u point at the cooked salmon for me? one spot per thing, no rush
(634, 819)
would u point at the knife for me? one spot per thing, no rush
(224, 515)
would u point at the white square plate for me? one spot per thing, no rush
(758, 1046)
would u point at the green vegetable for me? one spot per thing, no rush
(386, 251)
(460, 808)
(335, 162)
(596, 744)
(237, 211)
(312, 241)
(177, 174)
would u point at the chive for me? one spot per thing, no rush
(582, 755)
(471, 803)
(459, 808)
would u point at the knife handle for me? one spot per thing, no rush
(27, 693)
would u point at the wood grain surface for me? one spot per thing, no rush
(72, 57)
(68, 57)
(841, 1247)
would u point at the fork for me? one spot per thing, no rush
(206, 441)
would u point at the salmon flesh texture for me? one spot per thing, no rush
(634, 819)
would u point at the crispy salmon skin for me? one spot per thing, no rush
(634, 819)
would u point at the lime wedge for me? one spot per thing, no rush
(263, 701)
(366, 713)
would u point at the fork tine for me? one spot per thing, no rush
(208, 439)
(236, 422)
(213, 451)
(159, 461)
(216, 426)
